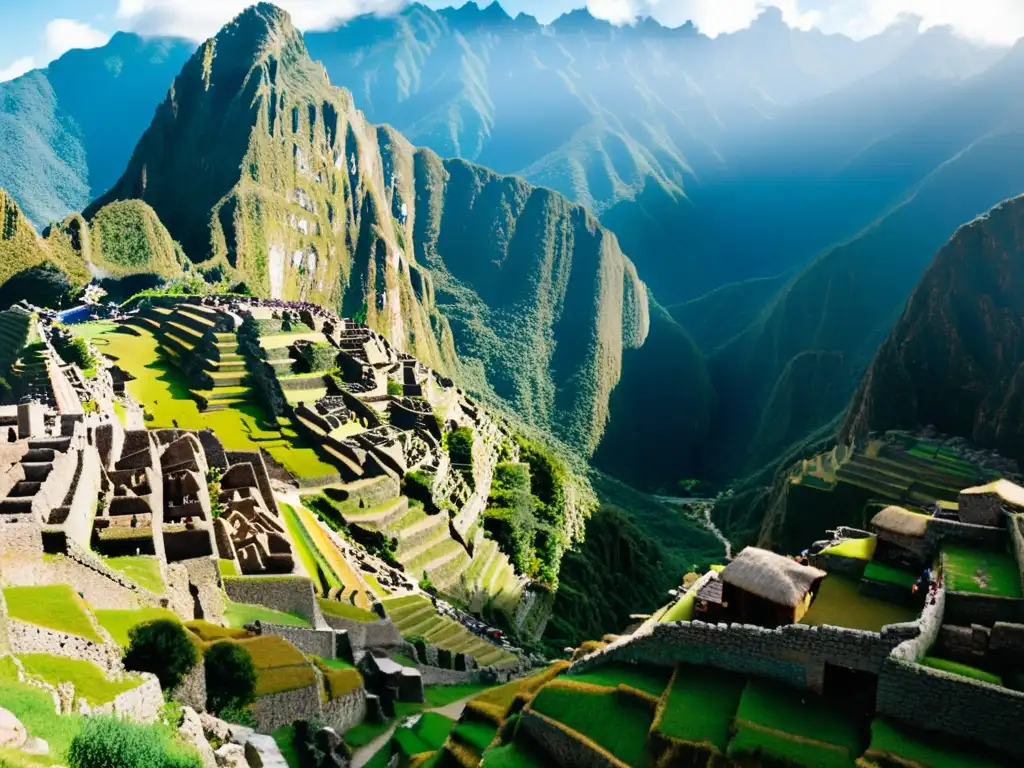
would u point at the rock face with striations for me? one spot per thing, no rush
(955, 359)
(266, 173)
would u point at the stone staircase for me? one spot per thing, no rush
(37, 465)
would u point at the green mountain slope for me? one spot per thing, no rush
(954, 359)
(76, 121)
(264, 171)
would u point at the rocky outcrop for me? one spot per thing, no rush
(955, 359)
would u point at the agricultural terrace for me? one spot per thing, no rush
(120, 623)
(56, 607)
(615, 721)
(143, 570)
(892, 743)
(778, 723)
(237, 615)
(980, 571)
(699, 707)
(162, 391)
(840, 604)
(321, 557)
(89, 680)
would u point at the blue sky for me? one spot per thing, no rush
(33, 32)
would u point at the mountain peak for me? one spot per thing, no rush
(579, 20)
(472, 13)
(257, 29)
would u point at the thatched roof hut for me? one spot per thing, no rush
(778, 579)
(898, 521)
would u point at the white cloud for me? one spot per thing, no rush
(987, 21)
(62, 35)
(17, 68)
(200, 19)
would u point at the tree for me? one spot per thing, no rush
(45, 285)
(162, 647)
(230, 677)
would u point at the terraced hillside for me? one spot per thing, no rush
(415, 617)
(426, 547)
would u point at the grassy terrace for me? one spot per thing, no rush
(889, 575)
(120, 623)
(332, 562)
(237, 615)
(889, 741)
(840, 604)
(89, 681)
(144, 571)
(162, 391)
(858, 549)
(651, 680)
(964, 670)
(980, 571)
(775, 722)
(700, 706)
(34, 708)
(56, 607)
(617, 723)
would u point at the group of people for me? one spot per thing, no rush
(929, 582)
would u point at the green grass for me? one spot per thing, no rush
(378, 590)
(964, 670)
(240, 614)
(473, 732)
(405, 661)
(928, 750)
(163, 392)
(34, 708)
(285, 739)
(980, 572)
(615, 723)
(89, 680)
(347, 611)
(438, 696)
(337, 664)
(859, 549)
(652, 680)
(144, 571)
(118, 623)
(514, 755)
(433, 728)
(889, 575)
(701, 705)
(788, 724)
(303, 546)
(56, 607)
(228, 568)
(365, 732)
(840, 604)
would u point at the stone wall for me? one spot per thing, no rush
(291, 594)
(564, 747)
(259, 468)
(846, 566)
(191, 691)
(346, 711)
(318, 642)
(29, 638)
(795, 654)
(78, 526)
(969, 608)
(142, 704)
(438, 676)
(21, 552)
(280, 709)
(952, 705)
(939, 530)
(366, 635)
(533, 611)
(204, 575)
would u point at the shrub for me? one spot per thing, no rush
(230, 677)
(395, 388)
(444, 658)
(105, 742)
(313, 358)
(163, 647)
(427, 586)
(417, 485)
(420, 644)
(460, 446)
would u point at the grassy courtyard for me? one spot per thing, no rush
(840, 604)
(164, 394)
(979, 571)
(144, 571)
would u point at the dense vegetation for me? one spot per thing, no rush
(162, 647)
(107, 742)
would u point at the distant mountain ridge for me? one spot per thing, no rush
(75, 122)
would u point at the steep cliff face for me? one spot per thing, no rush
(955, 359)
(264, 171)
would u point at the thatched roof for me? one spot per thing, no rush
(1009, 492)
(779, 579)
(900, 521)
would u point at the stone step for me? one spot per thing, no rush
(37, 471)
(15, 507)
(379, 516)
(449, 570)
(25, 488)
(39, 456)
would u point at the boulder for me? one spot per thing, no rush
(231, 756)
(36, 746)
(262, 752)
(192, 733)
(12, 733)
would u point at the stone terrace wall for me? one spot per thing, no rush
(795, 654)
(966, 608)
(191, 691)
(259, 468)
(29, 638)
(280, 709)
(364, 635)
(346, 711)
(21, 552)
(319, 642)
(564, 748)
(939, 530)
(142, 704)
(291, 594)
